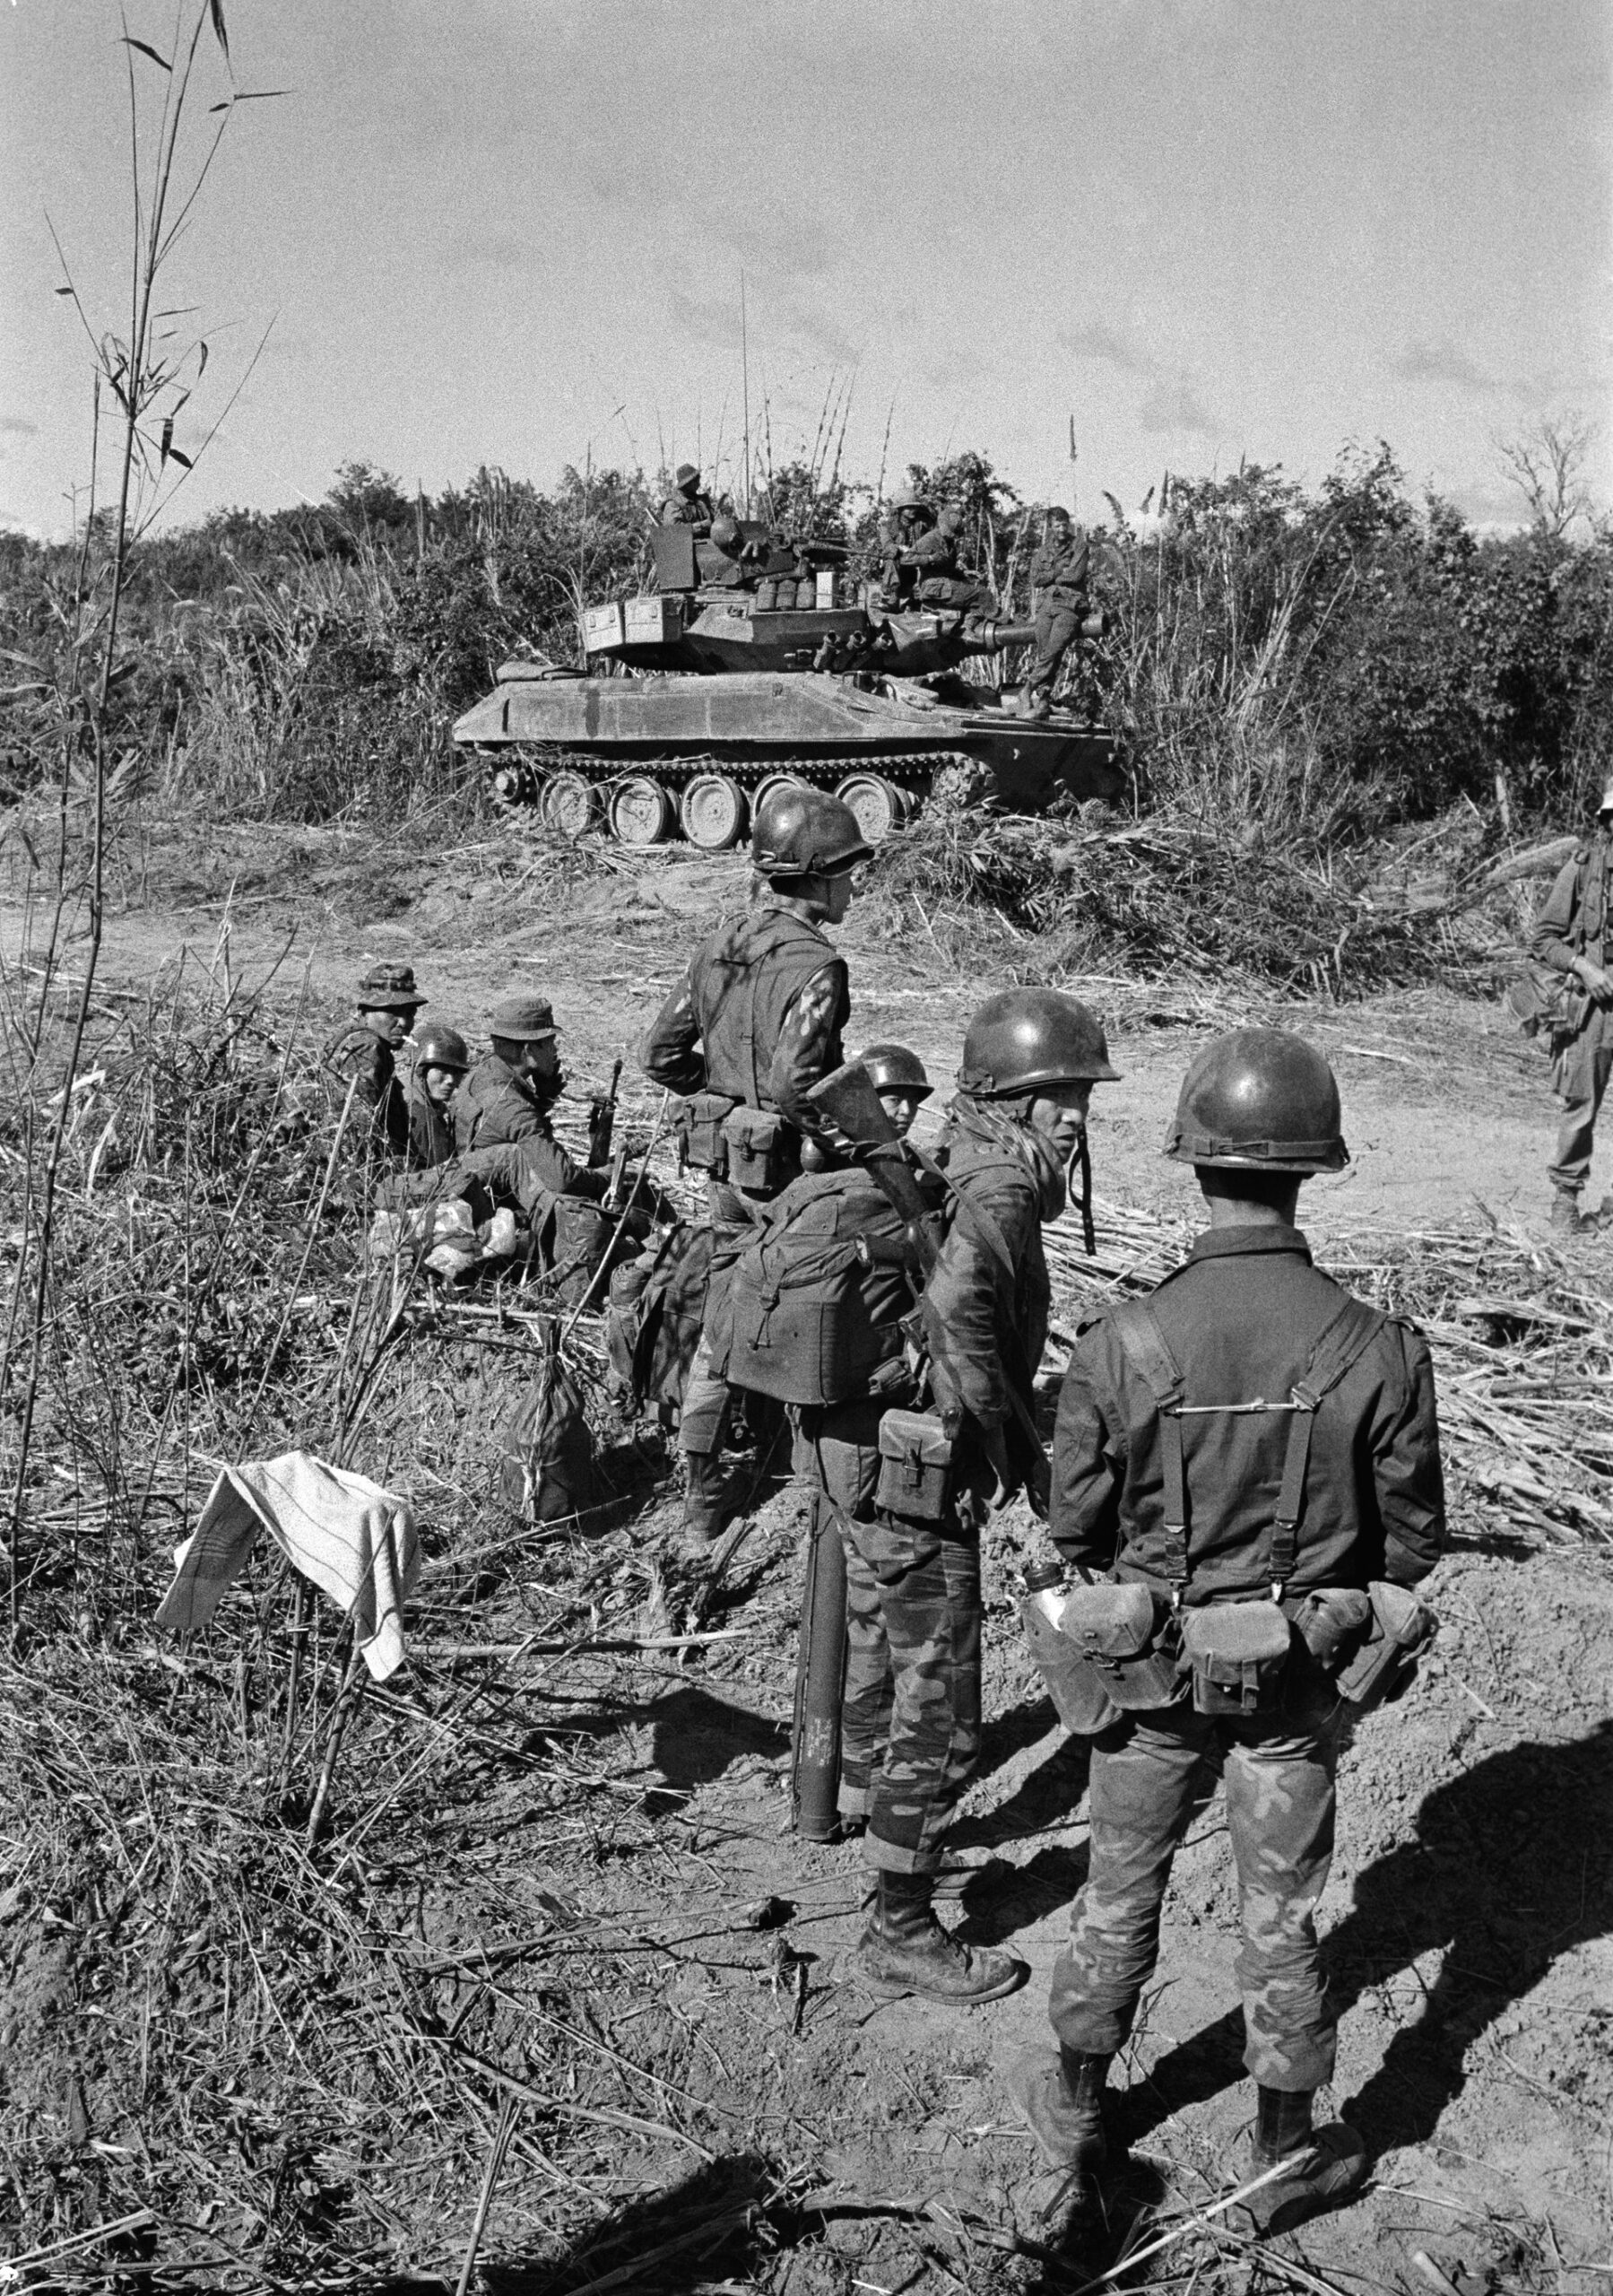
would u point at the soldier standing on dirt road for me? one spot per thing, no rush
(756, 1020)
(1031, 1059)
(1216, 1500)
(388, 1001)
(1571, 935)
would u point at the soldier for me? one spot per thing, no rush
(388, 1001)
(1217, 1500)
(756, 1020)
(1571, 935)
(1031, 1059)
(1060, 580)
(907, 515)
(441, 1059)
(940, 578)
(505, 1101)
(687, 505)
(899, 1080)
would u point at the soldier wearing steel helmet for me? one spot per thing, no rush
(1573, 936)
(907, 515)
(688, 505)
(1031, 1059)
(362, 1056)
(1250, 1437)
(756, 1020)
(939, 578)
(442, 1060)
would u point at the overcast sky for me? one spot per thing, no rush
(513, 231)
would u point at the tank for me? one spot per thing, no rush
(727, 677)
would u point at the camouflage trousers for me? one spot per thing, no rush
(910, 1719)
(1279, 1775)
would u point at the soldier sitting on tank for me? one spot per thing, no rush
(940, 580)
(1061, 576)
(907, 517)
(687, 505)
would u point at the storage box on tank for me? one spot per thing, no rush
(652, 621)
(602, 628)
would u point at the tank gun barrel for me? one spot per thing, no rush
(992, 637)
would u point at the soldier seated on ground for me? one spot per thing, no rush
(505, 1101)
(441, 1059)
(687, 505)
(361, 1056)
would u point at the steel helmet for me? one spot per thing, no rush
(897, 1068)
(1260, 1101)
(801, 832)
(908, 498)
(441, 1046)
(724, 532)
(1022, 1037)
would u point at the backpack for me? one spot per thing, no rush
(816, 1299)
(545, 1449)
(653, 1322)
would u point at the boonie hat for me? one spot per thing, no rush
(389, 988)
(524, 1018)
(686, 471)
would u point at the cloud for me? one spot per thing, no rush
(1443, 362)
(14, 426)
(1111, 350)
(500, 250)
(714, 319)
(820, 334)
(1173, 406)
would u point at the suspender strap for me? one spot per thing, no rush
(1137, 1328)
(1341, 1344)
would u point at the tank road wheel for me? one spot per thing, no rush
(515, 785)
(569, 804)
(876, 802)
(714, 812)
(768, 783)
(641, 812)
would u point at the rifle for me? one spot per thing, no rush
(601, 1121)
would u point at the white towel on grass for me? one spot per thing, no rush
(355, 1541)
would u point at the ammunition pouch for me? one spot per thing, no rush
(1239, 1655)
(758, 1145)
(1332, 1623)
(1129, 1636)
(1383, 1667)
(1547, 1003)
(699, 1129)
(916, 1466)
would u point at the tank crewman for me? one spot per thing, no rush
(441, 1060)
(1571, 935)
(756, 1019)
(1031, 1059)
(940, 578)
(687, 505)
(388, 1001)
(907, 515)
(505, 1102)
(1061, 576)
(1244, 1318)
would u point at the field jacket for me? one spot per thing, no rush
(1241, 1318)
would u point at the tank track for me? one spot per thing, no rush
(948, 776)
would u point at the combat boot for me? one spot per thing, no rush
(1565, 1213)
(904, 1950)
(704, 1506)
(1061, 2093)
(1321, 2166)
